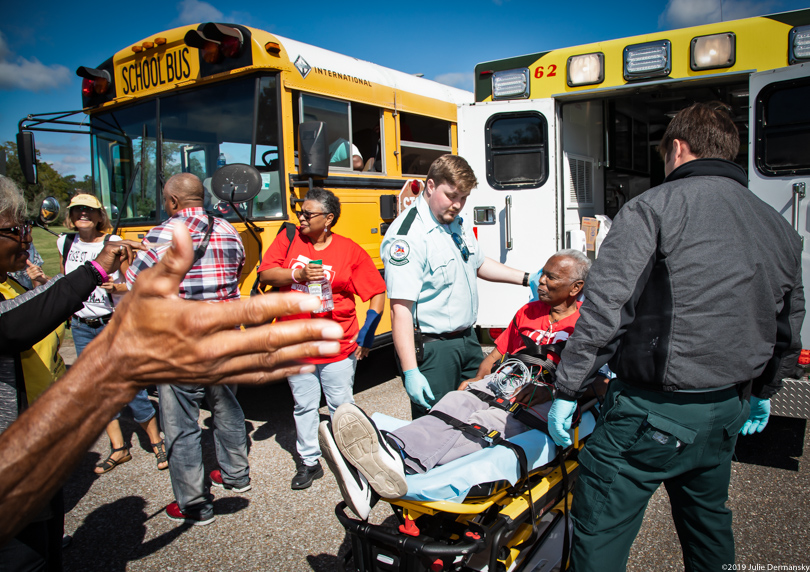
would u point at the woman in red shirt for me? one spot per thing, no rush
(350, 271)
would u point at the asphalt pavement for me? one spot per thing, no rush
(118, 520)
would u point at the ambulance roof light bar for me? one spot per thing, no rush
(648, 60)
(799, 47)
(510, 84)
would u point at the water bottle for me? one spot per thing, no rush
(221, 161)
(323, 290)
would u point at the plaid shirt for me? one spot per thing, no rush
(216, 275)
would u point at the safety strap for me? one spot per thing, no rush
(290, 229)
(199, 252)
(517, 410)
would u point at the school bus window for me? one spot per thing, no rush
(366, 129)
(269, 202)
(516, 146)
(122, 139)
(219, 119)
(423, 140)
(336, 115)
(783, 141)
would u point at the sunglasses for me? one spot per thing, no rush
(462, 248)
(20, 230)
(83, 209)
(306, 215)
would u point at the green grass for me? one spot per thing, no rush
(46, 246)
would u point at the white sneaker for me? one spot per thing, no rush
(362, 445)
(353, 485)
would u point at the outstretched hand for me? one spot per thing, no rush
(158, 337)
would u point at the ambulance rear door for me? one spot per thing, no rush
(514, 210)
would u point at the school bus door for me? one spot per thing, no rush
(514, 210)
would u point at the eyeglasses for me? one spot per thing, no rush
(20, 230)
(306, 215)
(83, 209)
(462, 248)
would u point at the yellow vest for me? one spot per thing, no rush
(42, 365)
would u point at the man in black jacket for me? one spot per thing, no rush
(696, 302)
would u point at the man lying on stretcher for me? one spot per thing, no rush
(360, 455)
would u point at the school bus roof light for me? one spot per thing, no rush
(648, 60)
(713, 52)
(273, 48)
(799, 45)
(216, 41)
(510, 84)
(93, 80)
(586, 69)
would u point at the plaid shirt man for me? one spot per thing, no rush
(216, 275)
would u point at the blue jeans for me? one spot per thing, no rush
(142, 409)
(179, 412)
(337, 381)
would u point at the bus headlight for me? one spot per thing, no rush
(586, 69)
(799, 44)
(712, 52)
(510, 84)
(652, 59)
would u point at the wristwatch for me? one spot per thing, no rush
(525, 278)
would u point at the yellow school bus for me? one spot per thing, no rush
(197, 97)
(559, 136)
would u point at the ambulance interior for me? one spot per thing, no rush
(610, 145)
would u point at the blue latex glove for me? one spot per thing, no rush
(365, 337)
(560, 417)
(533, 280)
(758, 418)
(418, 387)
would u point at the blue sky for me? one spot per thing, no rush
(42, 43)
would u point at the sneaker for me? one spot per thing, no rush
(362, 445)
(173, 512)
(305, 475)
(353, 485)
(216, 480)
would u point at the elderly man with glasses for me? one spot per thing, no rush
(431, 262)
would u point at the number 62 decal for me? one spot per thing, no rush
(552, 71)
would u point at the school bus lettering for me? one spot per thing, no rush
(155, 70)
(342, 76)
(552, 71)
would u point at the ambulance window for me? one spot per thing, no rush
(516, 147)
(783, 128)
(423, 140)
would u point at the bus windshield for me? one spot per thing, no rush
(200, 130)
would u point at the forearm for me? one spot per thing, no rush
(377, 303)
(402, 332)
(41, 448)
(486, 365)
(493, 271)
(279, 276)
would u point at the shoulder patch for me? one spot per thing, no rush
(399, 251)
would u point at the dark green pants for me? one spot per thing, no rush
(645, 438)
(447, 363)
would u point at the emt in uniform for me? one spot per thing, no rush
(431, 263)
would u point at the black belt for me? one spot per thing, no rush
(95, 322)
(449, 336)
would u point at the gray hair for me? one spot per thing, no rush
(12, 202)
(582, 264)
(328, 200)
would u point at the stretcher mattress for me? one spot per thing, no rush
(452, 482)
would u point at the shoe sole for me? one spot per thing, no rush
(192, 521)
(357, 499)
(308, 484)
(232, 489)
(357, 440)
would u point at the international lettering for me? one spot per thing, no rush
(342, 76)
(156, 70)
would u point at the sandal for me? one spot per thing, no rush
(109, 463)
(160, 454)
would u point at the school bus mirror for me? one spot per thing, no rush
(27, 154)
(237, 182)
(49, 210)
(713, 52)
(799, 44)
(313, 151)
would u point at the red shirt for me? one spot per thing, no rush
(350, 271)
(533, 322)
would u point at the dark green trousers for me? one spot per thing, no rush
(645, 438)
(447, 363)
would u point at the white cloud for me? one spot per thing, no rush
(682, 13)
(193, 11)
(53, 149)
(29, 75)
(461, 80)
